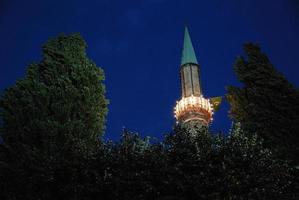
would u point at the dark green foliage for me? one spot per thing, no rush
(52, 123)
(60, 104)
(135, 169)
(46, 178)
(189, 164)
(237, 167)
(267, 104)
(252, 171)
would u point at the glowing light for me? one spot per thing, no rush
(196, 106)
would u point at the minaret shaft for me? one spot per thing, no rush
(190, 83)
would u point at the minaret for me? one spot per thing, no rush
(192, 107)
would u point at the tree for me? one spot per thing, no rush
(51, 148)
(217, 167)
(266, 104)
(60, 103)
(52, 123)
(249, 170)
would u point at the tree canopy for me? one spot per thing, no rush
(53, 120)
(266, 104)
(60, 103)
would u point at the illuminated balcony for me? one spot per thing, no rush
(194, 108)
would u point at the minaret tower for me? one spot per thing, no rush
(192, 107)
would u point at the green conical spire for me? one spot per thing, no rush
(188, 55)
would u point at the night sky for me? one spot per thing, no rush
(139, 44)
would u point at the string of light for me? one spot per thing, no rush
(188, 104)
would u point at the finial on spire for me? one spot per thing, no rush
(188, 55)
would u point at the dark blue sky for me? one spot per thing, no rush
(139, 43)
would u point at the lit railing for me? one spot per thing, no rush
(190, 103)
